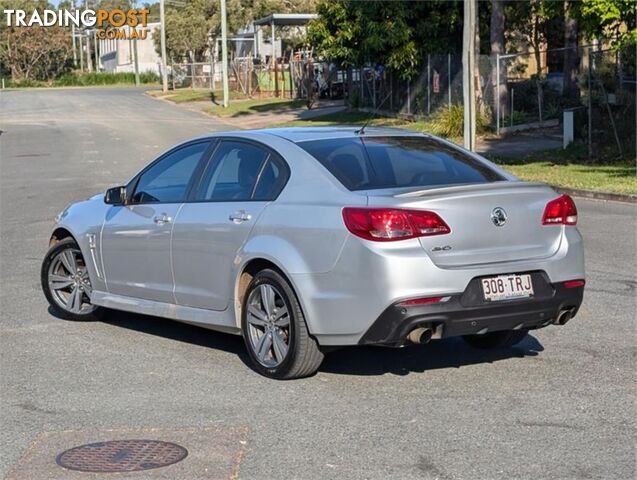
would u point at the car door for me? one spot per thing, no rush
(241, 178)
(136, 236)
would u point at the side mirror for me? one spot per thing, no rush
(115, 196)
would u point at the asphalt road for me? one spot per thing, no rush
(560, 405)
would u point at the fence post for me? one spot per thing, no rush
(449, 79)
(590, 108)
(361, 79)
(172, 76)
(409, 97)
(211, 73)
(428, 83)
(291, 74)
(374, 86)
(512, 109)
(497, 93)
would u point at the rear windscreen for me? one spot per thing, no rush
(396, 162)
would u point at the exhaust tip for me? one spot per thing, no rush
(563, 317)
(420, 335)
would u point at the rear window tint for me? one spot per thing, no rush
(397, 162)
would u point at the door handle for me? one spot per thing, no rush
(240, 216)
(162, 219)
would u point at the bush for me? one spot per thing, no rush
(24, 83)
(101, 78)
(76, 79)
(519, 118)
(449, 122)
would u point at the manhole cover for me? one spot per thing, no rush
(121, 456)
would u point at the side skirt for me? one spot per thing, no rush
(222, 321)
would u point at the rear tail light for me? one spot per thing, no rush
(422, 301)
(574, 283)
(561, 211)
(388, 224)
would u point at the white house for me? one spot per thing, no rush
(118, 55)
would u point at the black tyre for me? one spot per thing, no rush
(66, 283)
(502, 339)
(274, 329)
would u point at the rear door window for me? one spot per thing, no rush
(397, 162)
(241, 171)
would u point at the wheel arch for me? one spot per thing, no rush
(59, 234)
(245, 274)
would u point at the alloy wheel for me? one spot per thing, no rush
(268, 320)
(69, 282)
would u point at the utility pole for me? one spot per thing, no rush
(74, 45)
(224, 52)
(89, 64)
(164, 73)
(79, 37)
(136, 59)
(97, 52)
(468, 67)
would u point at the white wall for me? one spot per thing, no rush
(117, 55)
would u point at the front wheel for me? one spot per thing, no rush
(502, 339)
(66, 283)
(274, 329)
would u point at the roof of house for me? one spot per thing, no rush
(286, 19)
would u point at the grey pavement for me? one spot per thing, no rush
(559, 405)
(520, 143)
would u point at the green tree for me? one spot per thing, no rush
(611, 19)
(397, 34)
(187, 29)
(28, 53)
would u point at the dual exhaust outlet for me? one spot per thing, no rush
(422, 335)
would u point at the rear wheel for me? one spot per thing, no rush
(274, 329)
(502, 339)
(66, 283)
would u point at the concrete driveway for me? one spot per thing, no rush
(559, 405)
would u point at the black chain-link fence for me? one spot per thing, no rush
(521, 91)
(609, 90)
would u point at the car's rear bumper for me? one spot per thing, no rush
(466, 313)
(342, 304)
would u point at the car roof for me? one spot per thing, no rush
(303, 134)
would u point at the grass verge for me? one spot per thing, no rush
(247, 107)
(571, 169)
(194, 95)
(76, 79)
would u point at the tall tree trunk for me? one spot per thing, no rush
(498, 48)
(476, 75)
(571, 53)
(537, 51)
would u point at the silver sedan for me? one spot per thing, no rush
(302, 240)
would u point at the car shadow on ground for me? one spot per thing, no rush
(438, 354)
(360, 361)
(181, 332)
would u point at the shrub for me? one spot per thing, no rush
(24, 83)
(449, 122)
(102, 78)
(519, 118)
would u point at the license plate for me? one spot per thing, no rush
(505, 287)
